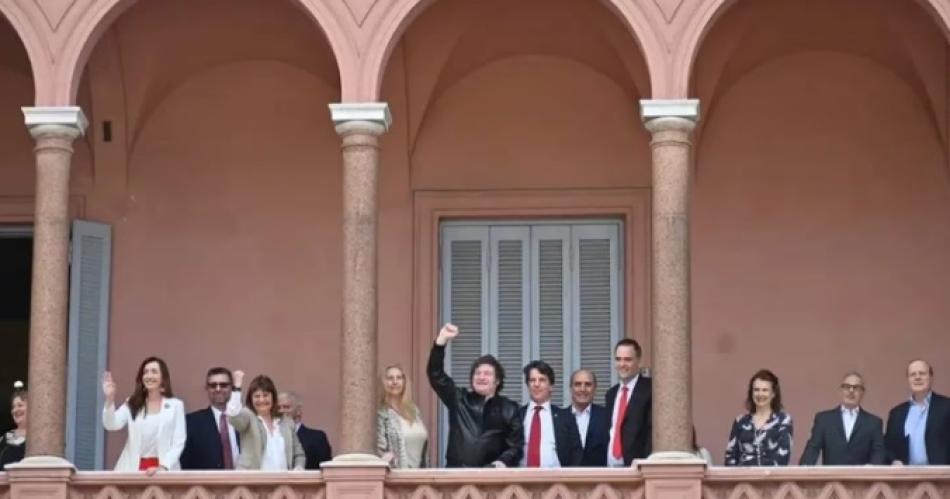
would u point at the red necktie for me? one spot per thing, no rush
(618, 423)
(534, 439)
(225, 435)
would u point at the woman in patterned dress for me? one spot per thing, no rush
(762, 436)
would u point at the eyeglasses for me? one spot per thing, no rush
(852, 388)
(218, 386)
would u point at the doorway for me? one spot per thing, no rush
(16, 263)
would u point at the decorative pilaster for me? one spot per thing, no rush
(54, 129)
(359, 125)
(670, 122)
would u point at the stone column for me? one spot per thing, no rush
(359, 125)
(670, 123)
(54, 129)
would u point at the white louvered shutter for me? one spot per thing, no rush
(597, 298)
(509, 298)
(91, 258)
(465, 281)
(551, 304)
(526, 291)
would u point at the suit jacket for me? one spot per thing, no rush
(567, 438)
(171, 433)
(637, 425)
(936, 436)
(203, 445)
(254, 437)
(598, 437)
(866, 445)
(315, 446)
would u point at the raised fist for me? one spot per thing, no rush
(238, 378)
(448, 333)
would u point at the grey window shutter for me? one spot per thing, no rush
(509, 297)
(597, 295)
(91, 257)
(552, 304)
(464, 295)
(465, 281)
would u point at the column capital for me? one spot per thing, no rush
(687, 109)
(374, 117)
(68, 121)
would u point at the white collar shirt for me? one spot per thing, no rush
(232, 435)
(583, 422)
(849, 417)
(611, 460)
(548, 444)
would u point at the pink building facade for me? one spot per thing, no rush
(779, 173)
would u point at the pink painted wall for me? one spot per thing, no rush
(820, 243)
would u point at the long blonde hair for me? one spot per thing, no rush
(406, 407)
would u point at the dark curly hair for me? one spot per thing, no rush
(491, 361)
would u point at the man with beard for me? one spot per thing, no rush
(212, 443)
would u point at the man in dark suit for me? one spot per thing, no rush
(629, 404)
(593, 421)
(918, 431)
(846, 435)
(314, 442)
(211, 442)
(550, 432)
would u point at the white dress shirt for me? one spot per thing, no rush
(583, 422)
(849, 417)
(548, 445)
(611, 461)
(275, 456)
(232, 435)
(151, 425)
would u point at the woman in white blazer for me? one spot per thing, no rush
(155, 419)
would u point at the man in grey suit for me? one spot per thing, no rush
(846, 435)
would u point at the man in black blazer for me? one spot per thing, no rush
(633, 420)
(846, 435)
(550, 432)
(204, 443)
(315, 443)
(593, 421)
(918, 431)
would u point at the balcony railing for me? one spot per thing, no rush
(650, 481)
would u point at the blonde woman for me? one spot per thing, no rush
(401, 437)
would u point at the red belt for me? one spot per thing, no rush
(148, 462)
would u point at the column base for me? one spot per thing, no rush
(356, 459)
(675, 456)
(42, 462)
(40, 476)
(673, 475)
(355, 476)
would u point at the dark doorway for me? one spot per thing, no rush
(16, 262)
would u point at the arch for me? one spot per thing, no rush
(101, 15)
(33, 44)
(710, 11)
(391, 29)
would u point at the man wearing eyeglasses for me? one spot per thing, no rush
(212, 443)
(846, 435)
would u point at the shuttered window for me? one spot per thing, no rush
(90, 261)
(526, 291)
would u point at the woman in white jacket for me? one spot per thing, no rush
(155, 419)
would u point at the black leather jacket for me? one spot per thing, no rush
(480, 432)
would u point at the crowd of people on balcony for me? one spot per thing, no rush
(263, 431)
